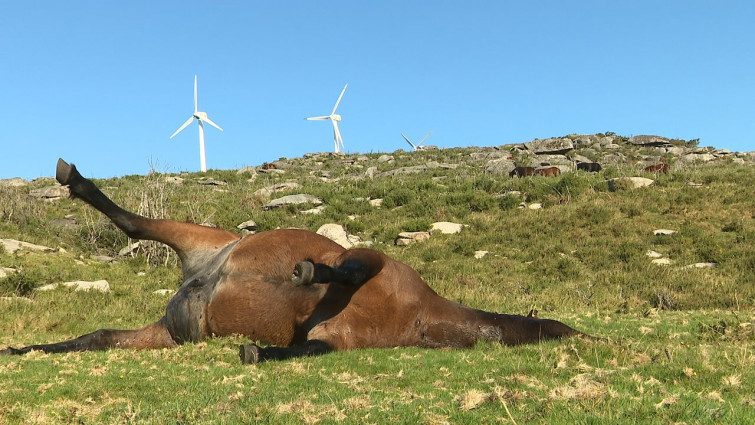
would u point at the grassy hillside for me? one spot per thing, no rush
(681, 339)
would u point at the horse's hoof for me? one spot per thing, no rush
(249, 353)
(304, 273)
(63, 172)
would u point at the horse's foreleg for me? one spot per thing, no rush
(253, 353)
(149, 337)
(182, 237)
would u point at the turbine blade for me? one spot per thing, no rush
(195, 94)
(337, 135)
(424, 138)
(209, 121)
(409, 141)
(318, 118)
(186, 124)
(339, 99)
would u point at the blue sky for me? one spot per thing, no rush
(104, 84)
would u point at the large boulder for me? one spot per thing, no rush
(292, 200)
(645, 140)
(338, 234)
(500, 166)
(623, 183)
(51, 192)
(550, 146)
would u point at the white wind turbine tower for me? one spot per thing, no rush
(202, 118)
(334, 118)
(418, 146)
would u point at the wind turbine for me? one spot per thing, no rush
(202, 118)
(334, 118)
(418, 146)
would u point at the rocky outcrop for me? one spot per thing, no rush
(550, 146)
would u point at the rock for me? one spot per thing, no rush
(269, 190)
(338, 234)
(102, 258)
(316, 210)
(692, 158)
(370, 173)
(502, 166)
(377, 203)
(4, 271)
(408, 238)
(648, 141)
(480, 254)
(247, 227)
(164, 292)
(14, 182)
(292, 200)
(51, 192)
(130, 249)
(623, 183)
(79, 285)
(653, 254)
(66, 223)
(447, 227)
(384, 158)
(701, 266)
(209, 181)
(662, 261)
(550, 146)
(535, 206)
(663, 232)
(174, 180)
(11, 245)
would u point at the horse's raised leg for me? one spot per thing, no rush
(153, 336)
(191, 242)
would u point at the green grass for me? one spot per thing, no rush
(679, 344)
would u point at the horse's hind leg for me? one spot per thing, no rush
(153, 336)
(182, 237)
(354, 267)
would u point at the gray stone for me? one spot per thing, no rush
(12, 245)
(620, 183)
(51, 192)
(211, 182)
(408, 238)
(292, 200)
(338, 234)
(278, 187)
(447, 227)
(501, 166)
(645, 140)
(549, 146)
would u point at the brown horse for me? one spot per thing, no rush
(590, 167)
(294, 289)
(548, 172)
(522, 171)
(660, 167)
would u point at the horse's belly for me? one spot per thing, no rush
(254, 308)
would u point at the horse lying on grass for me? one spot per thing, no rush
(294, 289)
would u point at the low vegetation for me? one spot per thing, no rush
(679, 341)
